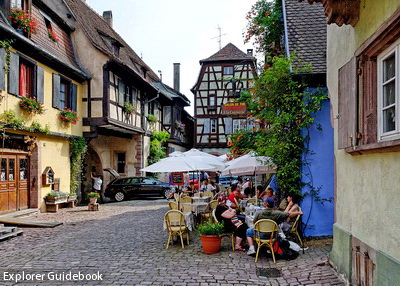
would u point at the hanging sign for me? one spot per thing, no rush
(238, 108)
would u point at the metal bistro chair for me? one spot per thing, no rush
(265, 232)
(231, 235)
(238, 207)
(176, 226)
(208, 194)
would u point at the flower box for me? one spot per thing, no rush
(22, 20)
(68, 116)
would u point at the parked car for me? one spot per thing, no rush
(226, 181)
(122, 188)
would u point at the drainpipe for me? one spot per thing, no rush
(285, 31)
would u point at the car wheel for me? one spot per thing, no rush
(119, 196)
(167, 192)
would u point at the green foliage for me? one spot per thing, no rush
(157, 152)
(9, 117)
(6, 44)
(78, 151)
(129, 108)
(56, 194)
(210, 228)
(285, 108)
(151, 118)
(93, 195)
(242, 142)
(37, 127)
(265, 27)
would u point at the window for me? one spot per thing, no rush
(228, 70)
(26, 78)
(212, 101)
(239, 124)
(167, 115)
(121, 163)
(64, 93)
(213, 125)
(17, 4)
(388, 94)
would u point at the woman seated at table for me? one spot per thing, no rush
(292, 207)
(264, 195)
(190, 190)
(235, 194)
(231, 222)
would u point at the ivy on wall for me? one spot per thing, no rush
(78, 151)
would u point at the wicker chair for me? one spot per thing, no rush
(231, 235)
(265, 234)
(176, 226)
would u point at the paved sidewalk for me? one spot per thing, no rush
(124, 244)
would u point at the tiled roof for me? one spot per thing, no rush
(101, 35)
(306, 28)
(171, 93)
(228, 53)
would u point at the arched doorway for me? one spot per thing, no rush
(92, 163)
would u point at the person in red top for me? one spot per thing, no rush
(235, 194)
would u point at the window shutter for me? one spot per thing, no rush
(2, 67)
(13, 75)
(73, 97)
(347, 108)
(40, 84)
(206, 127)
(228, 125)
(56, 91)
(369, 100)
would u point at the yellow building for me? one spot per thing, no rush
(363, 75)
(38, 68)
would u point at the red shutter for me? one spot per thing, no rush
(347, 101)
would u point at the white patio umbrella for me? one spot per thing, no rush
(177, 164)
(250, 165)
(209, 159)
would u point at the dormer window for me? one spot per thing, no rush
(50, 31)
(17, 4)
(115, 49)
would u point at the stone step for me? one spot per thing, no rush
(7, 229)
(10, 235)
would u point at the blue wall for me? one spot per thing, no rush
(320, 172)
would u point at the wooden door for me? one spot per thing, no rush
(14, 191)
(8, 187)
(22, 182)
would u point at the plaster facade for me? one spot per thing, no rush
(366, 185)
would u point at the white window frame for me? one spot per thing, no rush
(394, 134)
(229, 70)
(238, 124)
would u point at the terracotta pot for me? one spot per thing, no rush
(211, 243)
(93, 201)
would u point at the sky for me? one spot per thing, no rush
(164, 32)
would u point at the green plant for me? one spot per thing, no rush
(157, 152)
(128, 108)
(21, 19)
(151, 118)
(78, 147)
(180, 126)
(93, 195)
(7, 44)
(52, 35)
(37, 127)
(68, 116)
(9, 117)
(210, 228)
(31, 105)
(56, 194)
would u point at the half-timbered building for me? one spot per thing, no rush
(222, 77)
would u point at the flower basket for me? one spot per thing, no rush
(128, 108)
(179, 126)
(31, 105)
(22, 20)
(68, 116)
(93, 195)
(151, 118)
(52, 35)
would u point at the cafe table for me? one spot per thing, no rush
(201, 199)
(196, 207)
(189, 218)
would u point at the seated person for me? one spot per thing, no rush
(190, 190)
(206, 186)
(231, 222)
(268, 213)
(268, 193)
(235, 194)
(292, 206)
(247, 192)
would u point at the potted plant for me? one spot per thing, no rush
(56, 197)
(93, 196)
(210, 235)
(68, 116)
(151, 118)
(128, 108)
(31, 105)
(52, 35)
(21, 20)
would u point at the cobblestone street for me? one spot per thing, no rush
(125, 242)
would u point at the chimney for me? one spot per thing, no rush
(177, 74)
(250, 52)
(107, 16)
